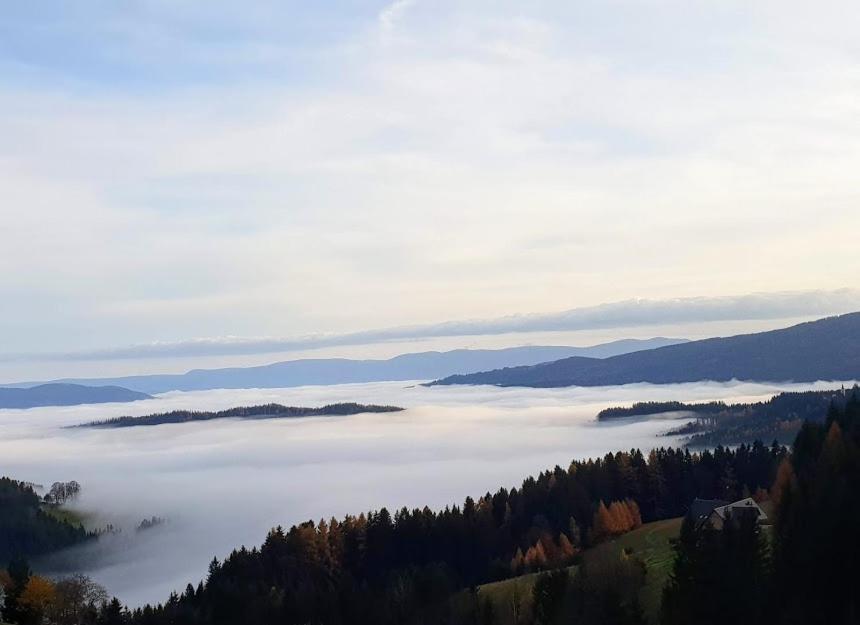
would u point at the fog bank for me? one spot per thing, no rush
(224, 483)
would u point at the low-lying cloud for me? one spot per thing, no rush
(225, 483)
(623, 314)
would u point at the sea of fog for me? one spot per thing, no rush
(224, 483)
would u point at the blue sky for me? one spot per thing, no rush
(186, 170)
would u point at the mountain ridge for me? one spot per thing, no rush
(65, 394)
(428, 365)
(825, 349)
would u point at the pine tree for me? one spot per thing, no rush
(575, 532)
(548, 596)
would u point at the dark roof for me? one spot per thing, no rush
(703, 507)
(743, 507)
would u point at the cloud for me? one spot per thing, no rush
(283, 168)
(389, 16)
(624, 314)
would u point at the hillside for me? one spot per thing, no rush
(28, 530)
(827, 349)
(417, 366)
(60, 394)
(651, 544)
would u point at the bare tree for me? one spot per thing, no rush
(61, 492)
(75, 595)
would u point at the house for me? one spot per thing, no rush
(714, 513)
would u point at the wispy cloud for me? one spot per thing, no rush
(389, 15)
(624, 314)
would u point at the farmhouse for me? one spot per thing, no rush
(715, 514)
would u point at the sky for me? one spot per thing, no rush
(174, 173)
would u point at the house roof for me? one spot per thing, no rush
(744, 506)
(701, 508)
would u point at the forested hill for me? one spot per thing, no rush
(25, 529)
(59, 394)
(647, 408)
(265, 411)
(827, 349)
(779, 418)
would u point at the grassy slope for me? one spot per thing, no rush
(62, 513)
(650, 543)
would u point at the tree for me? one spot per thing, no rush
(575, 532)
(36, 599)
(566, 548)
(74, 597)
(15, 581)
(112, 613)
(719, 575)
(635, 514)
(535, 558)
(603, 524)
(548, 596)
(622, 521)
(517, 562)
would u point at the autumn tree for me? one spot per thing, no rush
(517, 562)
(535, 558)
(36, 600)
(618, 518)
(566, 548)
(602, 526)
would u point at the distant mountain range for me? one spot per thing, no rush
(65, 395)
(827, 349)
(418, 366)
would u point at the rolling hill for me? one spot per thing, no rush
(60, 394)
(826, 349)
(651, 544)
